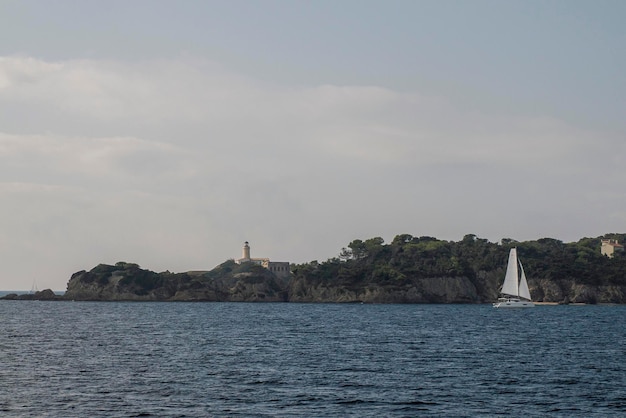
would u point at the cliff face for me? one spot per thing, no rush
(436, 290)
(230, 282)
(568, 291)
(250, 287)
(234, 283)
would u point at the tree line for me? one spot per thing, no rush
(408, 257)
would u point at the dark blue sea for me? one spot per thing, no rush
(92, 359)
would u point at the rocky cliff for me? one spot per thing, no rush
(46, 294)
(408, 270)
(249, 283)
(435, 290)
(568, 291)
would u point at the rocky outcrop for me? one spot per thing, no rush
(46, 294)
(568, 291)
(433, 290)
(235, 283)
(231, 282)
(248, 283)
(127, 282)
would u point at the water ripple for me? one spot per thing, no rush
(220, 359)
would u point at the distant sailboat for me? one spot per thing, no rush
(514, 293)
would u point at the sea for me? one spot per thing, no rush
(133, 359)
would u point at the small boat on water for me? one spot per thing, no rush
(514, 292)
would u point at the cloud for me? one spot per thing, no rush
(173, 164)
(116, 161)
(198, 104)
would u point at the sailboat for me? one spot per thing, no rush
(514, 292)
(34, 288)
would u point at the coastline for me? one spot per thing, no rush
(574, 304)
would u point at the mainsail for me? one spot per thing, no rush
(511, 281)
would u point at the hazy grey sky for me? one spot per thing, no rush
(167, 133)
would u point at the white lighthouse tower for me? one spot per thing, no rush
(246, 252)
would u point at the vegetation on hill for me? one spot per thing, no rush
(554, 268)
(421, 257)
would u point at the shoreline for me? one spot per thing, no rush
(573, 304)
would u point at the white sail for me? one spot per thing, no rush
(510, 286)
(523, 284)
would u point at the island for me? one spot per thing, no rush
(407, 270)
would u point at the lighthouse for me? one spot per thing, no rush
(245, 255)
(246, 252)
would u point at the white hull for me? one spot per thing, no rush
(513, 303)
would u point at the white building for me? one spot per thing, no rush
(610, 246)
(279, 268)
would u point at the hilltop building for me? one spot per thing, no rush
(610, 246)
(280, 268)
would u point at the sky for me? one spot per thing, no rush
(167, 133)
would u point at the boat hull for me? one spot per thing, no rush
(513, 303)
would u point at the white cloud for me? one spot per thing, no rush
(120, 161)
(173, 164)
